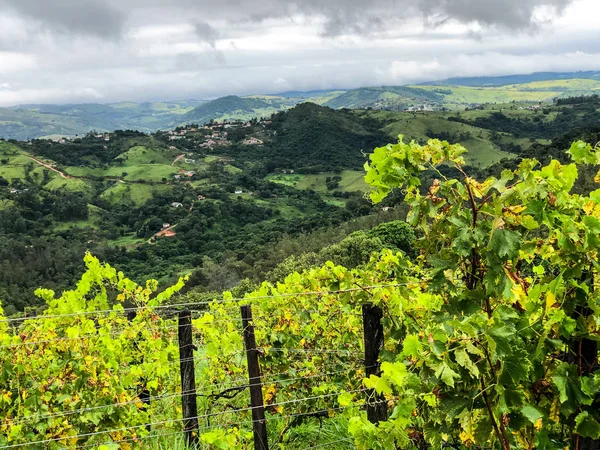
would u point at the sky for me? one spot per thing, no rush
(103, 51)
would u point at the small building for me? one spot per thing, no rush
(166, 225)
(201, 197)
(177, 205)
(238, 192)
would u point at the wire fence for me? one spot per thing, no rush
(335, 382)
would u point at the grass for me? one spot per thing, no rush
(352, 181)
(482, 152)
(232, 169)
(140, 172)
(143, 172)
(69, 184)
(128, 240)
(538, 91)
(143, 155)
(14, 164)
(138, 194)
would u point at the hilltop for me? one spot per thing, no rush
(513, 79)
(54, 121)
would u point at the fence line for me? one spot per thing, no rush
(191, 391)
(206, 303)
(164, 422)
(203, 389)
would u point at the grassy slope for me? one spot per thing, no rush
(14, 161)
(138, 194)
(352, 181)
(539, 91)
(139, 163)
(482, 152)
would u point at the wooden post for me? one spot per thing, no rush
(256, 401)
(373, 336)
(188, 379)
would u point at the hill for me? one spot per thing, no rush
(226, 193)
(396, 97)
(34, 121)
(231, 106)
(310, 138)
(513, 79)
(534, 92)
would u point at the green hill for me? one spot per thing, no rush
(34, 121)
(320, 138)
(397, 97)
(534, 92)
(231, 105)
(513, 79)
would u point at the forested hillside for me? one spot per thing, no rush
(230, 202)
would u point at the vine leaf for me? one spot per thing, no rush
(587, 426)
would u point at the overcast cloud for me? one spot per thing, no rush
(61, 51)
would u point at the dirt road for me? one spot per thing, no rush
(48, 166)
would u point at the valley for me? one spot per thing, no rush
(224, 194)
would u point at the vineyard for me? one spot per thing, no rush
(486, 339)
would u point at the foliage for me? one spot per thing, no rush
(492, 335)
(85, 356)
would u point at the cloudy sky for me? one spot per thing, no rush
(61, 51)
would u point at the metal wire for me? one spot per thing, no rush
(181, 305)
(198, 391)
(204, 416)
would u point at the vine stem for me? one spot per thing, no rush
(500, 434)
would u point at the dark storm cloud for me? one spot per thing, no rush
(69, 51)
(107, 18)
(513, 14)
(87, 17)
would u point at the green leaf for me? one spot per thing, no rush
(345, 399)
(561, 384)
(411, 346)
(515, 367)
(380, 384)
(505, 243)
(446, 374)
(587, 426)
(582, 153)
(531, 413)
(396, 373)
(463, 360)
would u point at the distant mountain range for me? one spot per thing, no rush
(514, 79)
(34, 121)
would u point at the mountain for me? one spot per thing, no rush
(397, 97)
(231, 105)
(34, 121)
(513, 79)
